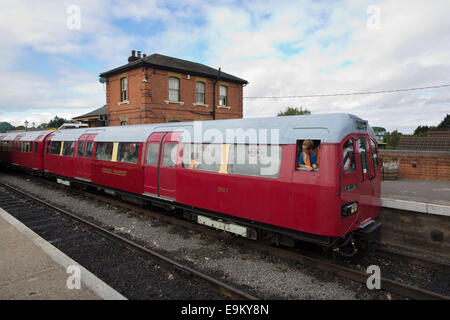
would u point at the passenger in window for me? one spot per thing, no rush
(105, 153)
(309, 157)
(130, 155)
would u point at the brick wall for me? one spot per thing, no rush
(420, 164)
(148, 101)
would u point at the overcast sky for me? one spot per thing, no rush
(50, 67)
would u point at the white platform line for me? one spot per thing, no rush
(91, 281)
(428, 208)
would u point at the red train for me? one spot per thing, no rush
(236, 175)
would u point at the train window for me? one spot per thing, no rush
(308, 155)
(254, 160)
(373, 146)
(169, 155)
(361, 145)
(128, 152)
(68, 148)
(205, 157)
(36, 145)
(89, 147)
(47, 147)
(56, 147)
(152, 154)
(349, 156)
(104, 151)
(80, 149)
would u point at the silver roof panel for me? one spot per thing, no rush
(331, 128)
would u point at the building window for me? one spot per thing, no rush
(123, 89)
(174, 89)
(200, 92)
(223, 96)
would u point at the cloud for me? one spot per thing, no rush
(281, 47)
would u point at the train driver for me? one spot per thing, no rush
(310, 157)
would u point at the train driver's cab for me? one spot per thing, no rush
(308, 155)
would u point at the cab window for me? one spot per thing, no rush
(349, 156)
(373, 148)
(308, 155)
(362, 150)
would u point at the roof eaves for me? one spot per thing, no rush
(140, 63)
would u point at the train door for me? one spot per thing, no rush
(47, 157)
(376, 180)
(37, 153)
(83, 157)
(349, 175)
(366, 176)
(17, 154)
(160, 164)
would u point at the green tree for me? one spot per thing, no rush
(422, 131)
(19, 128)
(445, 124)
(392, 139)
(6, 126)
(58, 122)
(293, 112)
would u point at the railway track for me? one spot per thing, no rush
(388, 285)
(37, 214)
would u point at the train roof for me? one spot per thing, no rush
(330, 128)
(25, 135)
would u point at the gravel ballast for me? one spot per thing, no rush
(261, 275)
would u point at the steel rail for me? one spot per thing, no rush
(396, 287)
(220, 286)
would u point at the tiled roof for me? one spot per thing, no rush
(160, 61)
(96, 112)
(433, 143)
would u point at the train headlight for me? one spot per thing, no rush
(349, 208)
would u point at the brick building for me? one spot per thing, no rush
(157, 88)
(426, 158)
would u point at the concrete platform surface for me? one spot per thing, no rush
(31, 268)
(423, 191)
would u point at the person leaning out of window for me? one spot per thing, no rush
(310, 157)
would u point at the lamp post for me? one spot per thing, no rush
(26, 125)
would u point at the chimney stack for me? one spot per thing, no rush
(139, 54)
(133, 56)
(144, 55)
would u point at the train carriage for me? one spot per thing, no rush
(239, 175)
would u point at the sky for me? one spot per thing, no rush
(53, 51)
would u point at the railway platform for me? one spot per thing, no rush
(33, 269)
(423, 196)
